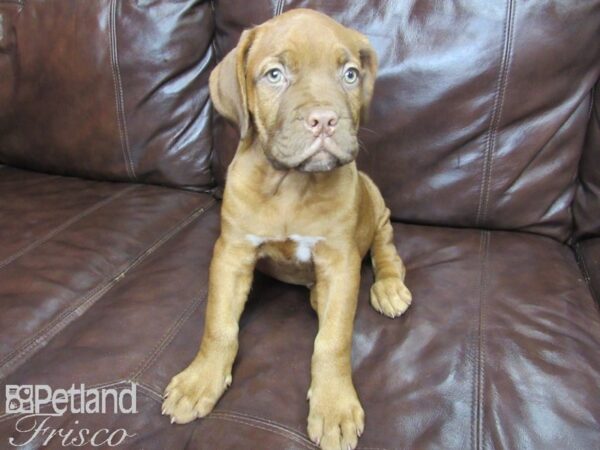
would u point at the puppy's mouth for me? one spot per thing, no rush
(322, 155)
(322, 161)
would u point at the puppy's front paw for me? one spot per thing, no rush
(195, 391)
(336, 418)
(390, 296)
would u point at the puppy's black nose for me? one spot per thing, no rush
(321, 121)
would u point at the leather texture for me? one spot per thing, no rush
(107, 89)
(484, 138)
(84, 237)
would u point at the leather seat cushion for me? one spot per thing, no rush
(499, 348)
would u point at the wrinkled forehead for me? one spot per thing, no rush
(304, 40)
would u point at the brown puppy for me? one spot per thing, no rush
(296, 205)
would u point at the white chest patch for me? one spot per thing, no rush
(256, 240)
(304, 244)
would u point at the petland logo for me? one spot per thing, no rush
(39, 403)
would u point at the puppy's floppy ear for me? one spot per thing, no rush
(228, 84)
(368, 60)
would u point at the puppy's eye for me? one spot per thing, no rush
(275, 76)
(350, 75)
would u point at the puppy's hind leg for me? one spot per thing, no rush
(389, 295)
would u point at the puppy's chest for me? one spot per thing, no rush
(294, 248)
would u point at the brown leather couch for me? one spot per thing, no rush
(484, 138)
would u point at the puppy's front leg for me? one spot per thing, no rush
(336, 418)
(389, 294)
(195, 391)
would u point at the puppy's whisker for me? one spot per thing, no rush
(362, 146)
(370, 130)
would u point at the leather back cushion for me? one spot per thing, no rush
(480, 107)
(108, 89)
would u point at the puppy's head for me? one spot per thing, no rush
(299, 83)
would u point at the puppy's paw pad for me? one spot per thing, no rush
(193, 393)
(390, 297)
(336, 425)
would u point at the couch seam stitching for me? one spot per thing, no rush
(474, 374)
(167, 338)
(64, 226)
(481, 339)
(500, 91)
(60, 322)
(265, 421)
(268, 423)
(46, 176)
(118, 86)
(508, 62)
(150, 391)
